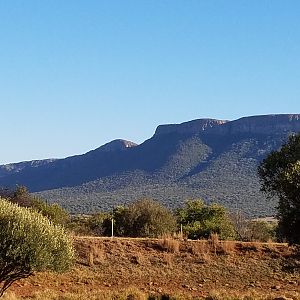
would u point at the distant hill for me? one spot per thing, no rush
(211, 159)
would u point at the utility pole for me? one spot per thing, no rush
(181, 231)
(112, 224)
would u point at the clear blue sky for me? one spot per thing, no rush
(77, 74)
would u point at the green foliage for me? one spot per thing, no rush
(200, 220)
(53, 212)
(280, 176)
(100, 224)
(29, 243)
(143, 218)
(79, 225)
(261, 231)
(22, 197)
(223, 170)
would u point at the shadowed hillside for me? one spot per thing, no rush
(211, 159)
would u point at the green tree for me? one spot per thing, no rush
(200, 220)
(261, 231)
(143, 218)
(30, 243)
(100, 224)
(22, 197)
(54, 212)
(279, 174)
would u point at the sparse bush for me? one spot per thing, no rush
(261, 231)
(170, 244)
(30, 243)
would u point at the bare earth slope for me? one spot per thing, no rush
(166, 266)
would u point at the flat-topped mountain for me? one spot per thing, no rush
(211, 159)
(264, 124)
(191, 127)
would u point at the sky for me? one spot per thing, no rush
(76, 74)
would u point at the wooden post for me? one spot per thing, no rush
(112, 227)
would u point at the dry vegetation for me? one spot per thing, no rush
(133, 269)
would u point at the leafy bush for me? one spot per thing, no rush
(29, 243)
(22, 197)
(53, 212)
(79, 225)
(200, 220)
(260, 231)
(144, 218)
(100, 224)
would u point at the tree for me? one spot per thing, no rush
(262, 231)
(30, 243)
(143, 218)
(279, 174)
(54, 212)
(22, 197)
(200, 220)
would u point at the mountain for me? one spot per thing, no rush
(206, 158)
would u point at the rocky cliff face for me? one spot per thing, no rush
(191, 127)
(18, 167)
(265, 124)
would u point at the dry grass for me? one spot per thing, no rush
(128, 294)
(189, 268)
(170, 244)
(228, 247)
(251, 295)
(9, 296)
(135, 294)
(201, 249)
(214, 242)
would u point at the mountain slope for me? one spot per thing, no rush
(212, 159)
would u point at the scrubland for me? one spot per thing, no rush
(168, 268)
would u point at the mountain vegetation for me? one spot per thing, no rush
(215, 160)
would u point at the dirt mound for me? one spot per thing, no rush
(174, 267)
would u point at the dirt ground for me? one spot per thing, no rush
(168, 266)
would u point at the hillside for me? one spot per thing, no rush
(211, 159)
(189, 268)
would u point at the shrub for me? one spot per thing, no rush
(170, 244)
(200, 220)
(100, 224)
(261, 231)
(53, 212)
(144, 218)
(22, 197)
(30, 243)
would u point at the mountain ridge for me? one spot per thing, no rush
(204, 158)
